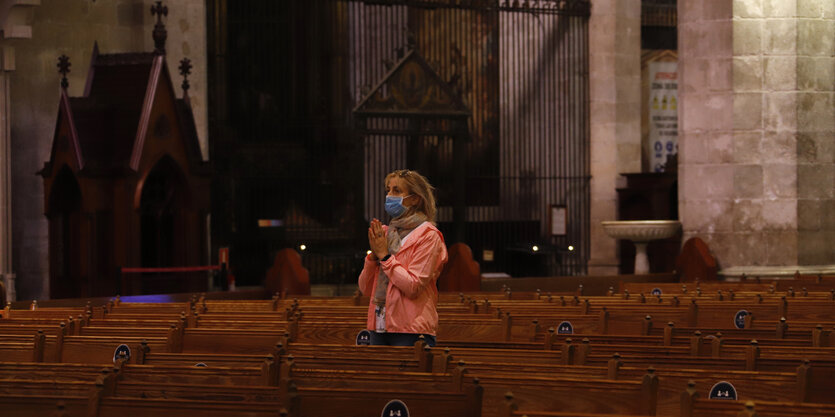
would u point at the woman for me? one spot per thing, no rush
(405, 260)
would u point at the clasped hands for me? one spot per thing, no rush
(377, 240)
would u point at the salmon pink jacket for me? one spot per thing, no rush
(412, 295)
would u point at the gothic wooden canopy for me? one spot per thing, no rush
(125, 184)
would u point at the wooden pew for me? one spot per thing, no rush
(209, 359)
(304, 378)
(216, 375)
(17, 351)
(30, 387)
(565, 391)
(15, 405)
(229, 340)
(570, 394)
(45, 313)
(102, 349)
(25, 370)
(693, 405)
(177, 407)
(323, 402)
(257, 325)
(361, 392)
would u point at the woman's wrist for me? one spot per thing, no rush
(381, 255)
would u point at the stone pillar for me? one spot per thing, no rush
(14, 16)
(756, 130)
(815, 63)
(615, 116)
(6, 273)
(706, 121)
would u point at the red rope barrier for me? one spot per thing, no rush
(173, 269)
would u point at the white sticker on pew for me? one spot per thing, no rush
(656, 291)
(121, 350)
(739, 319)
(364, 337)
(395, 408)
(565, 328)
(723, 391)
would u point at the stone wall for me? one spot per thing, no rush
(815, 64)
(15, 22)
(706, 140)
(756, 131)
(71, 27)
(765, 125)
(615, 116)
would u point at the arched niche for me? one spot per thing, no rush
(66, 246)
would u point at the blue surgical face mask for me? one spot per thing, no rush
(394, 206)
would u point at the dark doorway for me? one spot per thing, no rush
(163, 201)
(65, 249)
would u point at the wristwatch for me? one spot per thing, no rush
(385, 258)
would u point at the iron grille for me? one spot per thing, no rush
(290, 75)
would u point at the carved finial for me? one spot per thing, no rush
(64, 68)
(185, 70)
(160, 34)
(159, 10)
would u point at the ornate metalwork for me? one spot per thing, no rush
(413, 88)
(567, 7)
(64, 69)
(185, 70)
(663, 13)
(333, 89)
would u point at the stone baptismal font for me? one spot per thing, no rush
(641, 232)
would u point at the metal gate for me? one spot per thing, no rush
(503, 134)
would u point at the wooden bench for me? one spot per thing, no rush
(570, 395)
(693, 405)
(492, 337)
(16, 405)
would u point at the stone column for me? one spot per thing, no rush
(615, 116)
(756, 177)
(706, 120)
(14, 16)
(6, 273)
(815, 63)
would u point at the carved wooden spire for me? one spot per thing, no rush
(160, 34)
(185, 70)
(64, 68)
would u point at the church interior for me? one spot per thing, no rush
(637, 200)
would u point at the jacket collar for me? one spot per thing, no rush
(415, 234)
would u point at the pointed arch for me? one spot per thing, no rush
(66, 246)
(163, 200)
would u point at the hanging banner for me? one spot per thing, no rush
(663, 113)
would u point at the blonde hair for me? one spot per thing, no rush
(420, 186)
